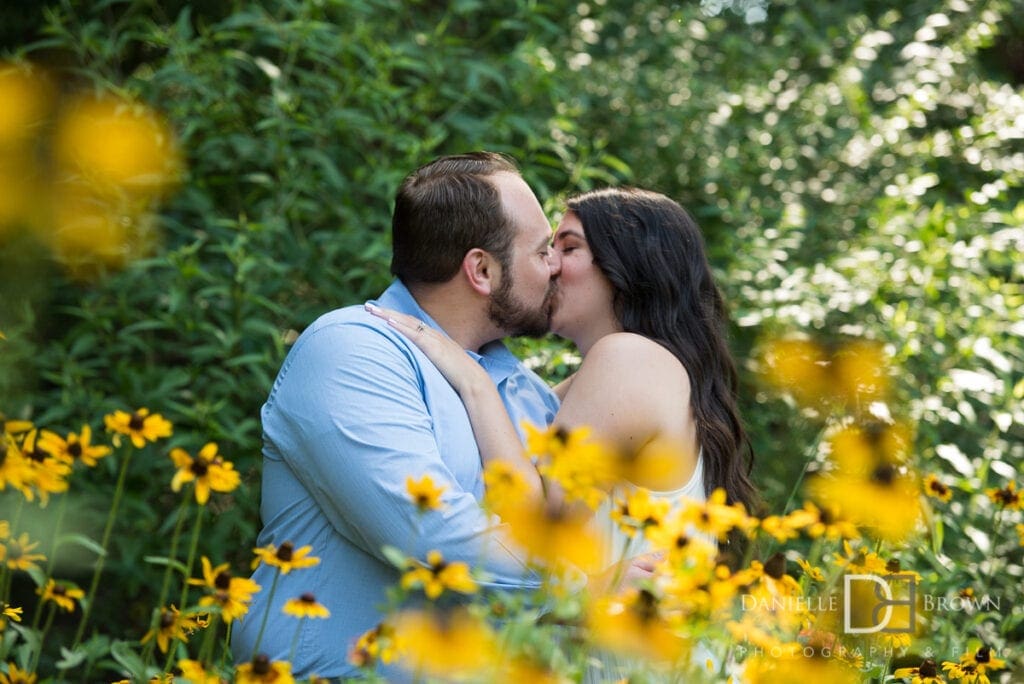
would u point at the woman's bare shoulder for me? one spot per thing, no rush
(631, 352)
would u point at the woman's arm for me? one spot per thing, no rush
(496, 436)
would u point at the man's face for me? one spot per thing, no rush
(521, 302)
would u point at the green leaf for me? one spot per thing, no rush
(396, 557)
(81, 540)
(126, 656)
(163, 560)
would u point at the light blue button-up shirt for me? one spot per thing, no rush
(355, 410)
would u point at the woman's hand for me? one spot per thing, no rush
(458, 368)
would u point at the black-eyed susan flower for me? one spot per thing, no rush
(715, 517)
(140, 426)
(504, 486)
(377, 645)
(285, 557)
(870, 483)
(45, 474)
(584, 468)
(424, 493)
(17, 553)
(448, 644)
(195, 672)
(856, 371)
(793, 666)
(14, 471)
(638, 512)
(171, 625)
(9, 612)
(983, 660)
(62, 594)
(812, 571)
(935, 488)
(262, 670)
(438, 575)
(829, 523)
(558, 538)
(208, 470)
(634, 624)
(232, 594)
(305, 606)
(16, 675)
(1006, 497)
(77, 447)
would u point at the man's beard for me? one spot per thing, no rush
(516, 318)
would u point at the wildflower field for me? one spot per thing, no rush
(185, 186)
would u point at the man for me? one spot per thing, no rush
(357, 408)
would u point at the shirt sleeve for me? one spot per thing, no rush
(349, 417)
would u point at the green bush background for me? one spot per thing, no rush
(856, 168)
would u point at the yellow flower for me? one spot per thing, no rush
(437, 575)
(17, 676)
(63, 595)
(584, 468)
(503, 486)
(232, 594)
(1008, 497)
(639, 512)
(811, 571)
(983, 660)
(792, 666)
(306, 607)
(934, 487)
(286, 557)
(116, 142)
(76, 447)
(869, 483)
(44, 473)
(14, 471)
(851, 373)
(714, 517)
(424, 493)
(828, 523)
(17, 553)
(140, 426)
(559, 538)
(1020, 532)
(208, 470)
(375, 645)
(261, 670)
(9, 612)
(194, 672)
(172, 625)
(634, 624)
(14, 427)
(446, 645)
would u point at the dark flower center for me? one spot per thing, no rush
(884, 474)
(37, 455)
(1006, 497)
(646, 605)
(893, 565)
(75, 449)
(650, 521)
(939, 488)
(261, 664)
(166, 619)
(222, 581)
(775, 567)
(14, 550)
(983, 655)
(561, 434)
(825, 516)
(285, 553)
(137, 421)
(928, 669)
(3, 453)
(59, 590)
(199, 467)
(308, 598)
(682, 541)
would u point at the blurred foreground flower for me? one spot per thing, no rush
(76, 447)
(262, 670)
(424, 493)
(437, 575)
(62, 595)
(634, 624)
(559, 538)
(583, 467)
(306, 606)
(15, 675)
(446, 644)
(852, 373)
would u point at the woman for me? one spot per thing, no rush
(637, 297)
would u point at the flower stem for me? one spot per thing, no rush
(191, 556)
(42, 638)
(295, 642)
(266, 613)
(102, 559)
(165, 586)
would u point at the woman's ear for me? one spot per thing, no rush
(481, 270)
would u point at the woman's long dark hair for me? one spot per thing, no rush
(653, 253)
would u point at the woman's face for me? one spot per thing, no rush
(584, 301)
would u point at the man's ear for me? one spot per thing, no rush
(481, 270)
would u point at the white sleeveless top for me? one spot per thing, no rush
(616, 540)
